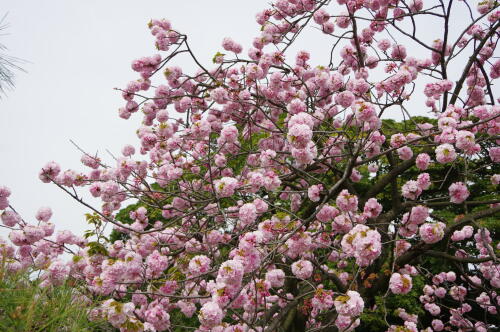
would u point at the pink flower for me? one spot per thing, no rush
(398, 140)
(447, 121)
(123, 113)
(276, 278)
(398, 52)
(342, 223)
(199, 265)
(432, 232)
(260, 205)
(437, 325)
(419, 214)
(355, 175)
(451, 276)
(299, 135)
(305, 156)
(158, 317)
(49, 172)
(321, 16)
(432, 308)
(345, 98)
(411, 190)
(323, 299)
(314, 192)
(458, 192)
(228, 134)
(401, 247)
(226, 186)
(117, 313)
(96, 189)
(43, 214)
(302, 269)
(440, 292)
(92, 162)
(458, 236)
(416, 5)
(438, 88)
(47, 227)
(422, 162)
(400, 284)
(360, 87)
(424, 181)
(220, 160)
(327, 213)
(347, 202)
(4, 192)
(351, 304)
(146, 65)
(296, 106)
(345, 323)
(4, 203)
(465, 140)
(128, 150)
(210, 315)
(139, 215)
(458, 293)
(10, 218)
(33, 233)
(301, 118)
(495, 154)
(247, 214)
(372, 208)
(362, 243)
(405, 153)
(57, 272)
(18, 238)
(384, 44)
(428, 290)
(229, 45)
(445, 153)
(187, 308)
(231, 272)
(219, 95)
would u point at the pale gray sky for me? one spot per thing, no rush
(78, 51)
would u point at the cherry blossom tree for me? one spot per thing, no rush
(268, 193)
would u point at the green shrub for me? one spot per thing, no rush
(24, 306)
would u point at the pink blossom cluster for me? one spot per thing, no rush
(165, 36)
(400, 283)
(431, 232)
(413, 219)
(458, 192)
(38, 247)
(362, 243)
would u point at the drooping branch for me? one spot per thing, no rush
(472, 59)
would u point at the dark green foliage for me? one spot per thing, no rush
(181, 323)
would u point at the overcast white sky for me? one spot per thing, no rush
(78, 51)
